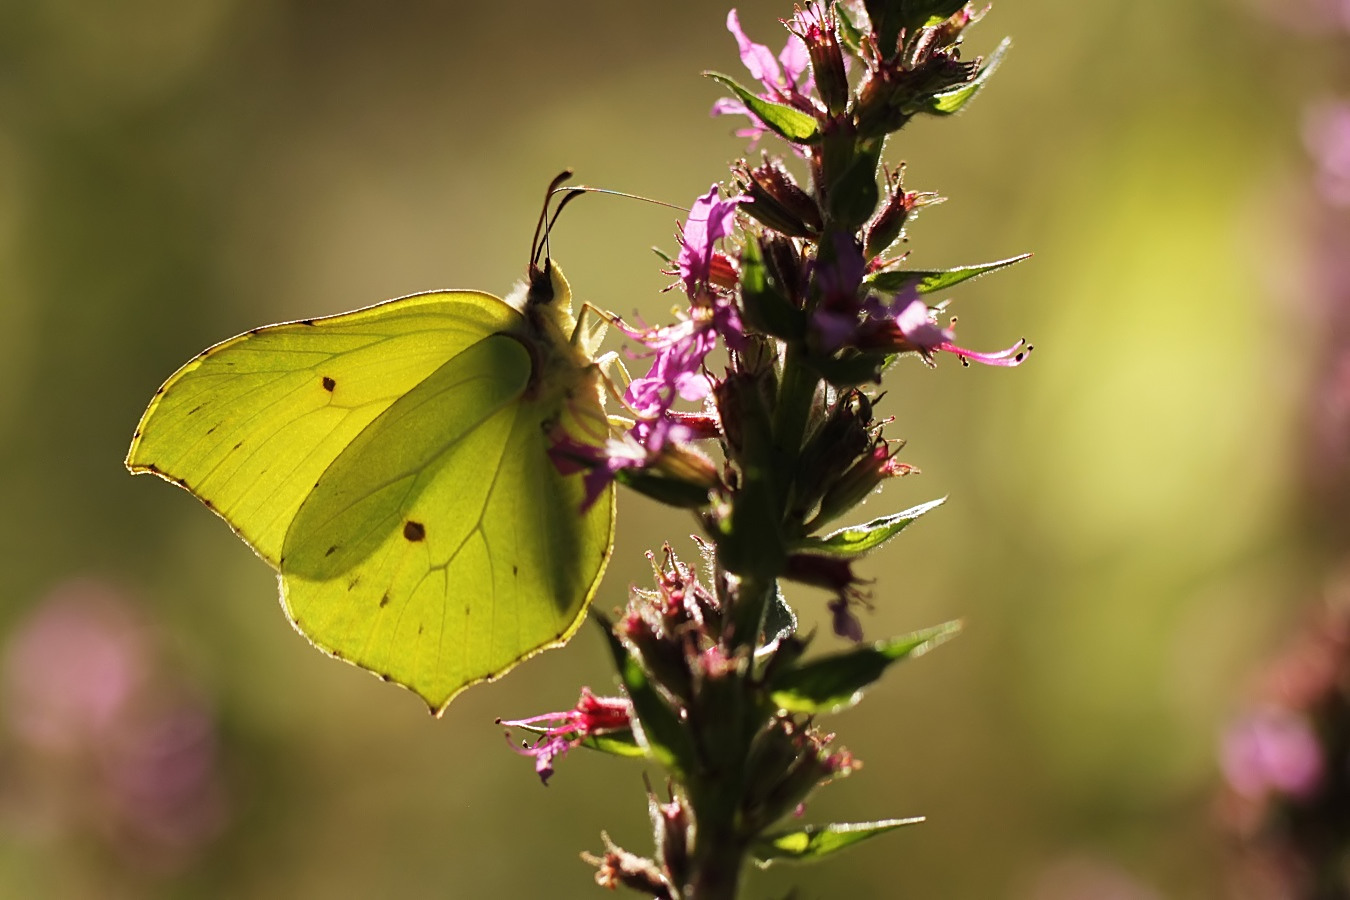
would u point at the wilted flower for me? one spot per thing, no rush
(561, 731)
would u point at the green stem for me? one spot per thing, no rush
(796, 390)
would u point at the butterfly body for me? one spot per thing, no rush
(392, 464)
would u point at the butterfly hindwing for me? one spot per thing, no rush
(488, 563)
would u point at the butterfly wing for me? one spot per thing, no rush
(391, 465)
(442, 546)
(249, 425)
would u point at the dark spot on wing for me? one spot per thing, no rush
(414, 531)
(515, 570)
(351, 585)
(467, 610)
(137, 435)
(209, 504)
(329, 384)
(151, 467)
(419, 629)
(237, 446)
(212, 428)
(384, 601)
(306, 321)
(194, 409)
(331, 550)
(385, 678)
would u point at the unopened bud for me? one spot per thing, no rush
(671, 824)
(899, 207)
(777, 201)
(845, 435)
(859, 481)
(820, 32)
(664, 657)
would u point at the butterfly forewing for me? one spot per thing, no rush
(251, 424)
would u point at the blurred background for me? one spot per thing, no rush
(1139, 518)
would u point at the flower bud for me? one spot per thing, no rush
(671, 824)
(846, 434)
(860, 480)
(619, 867)
(819, 30)
(777, 201)
(788, 761)
(888, 225)
(665, 658)
(785, 267)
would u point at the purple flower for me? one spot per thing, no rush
(1272, 751)
(561, 731)
(836, 575)
(900, 324)
(786, 79)
(846, 625)
(678, 350)
(710, 218)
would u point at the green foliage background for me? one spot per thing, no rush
(1124, 534)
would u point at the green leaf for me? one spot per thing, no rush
(948, 102)
(836, 682)
(929, 12)
(814, 841)
(658, 728)
(785, 121)
(850, 34)
(780, 621)
(930, 281)
(855, 540)
(615, 743)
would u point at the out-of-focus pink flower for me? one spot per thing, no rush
(73, 667)
(87, 701)
(1326, 132)
(1272, 751)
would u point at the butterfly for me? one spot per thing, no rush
(392, 465)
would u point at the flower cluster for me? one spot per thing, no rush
(757, 412)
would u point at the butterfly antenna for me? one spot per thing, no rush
(572, 194)
(587, 189)
(544, 223)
